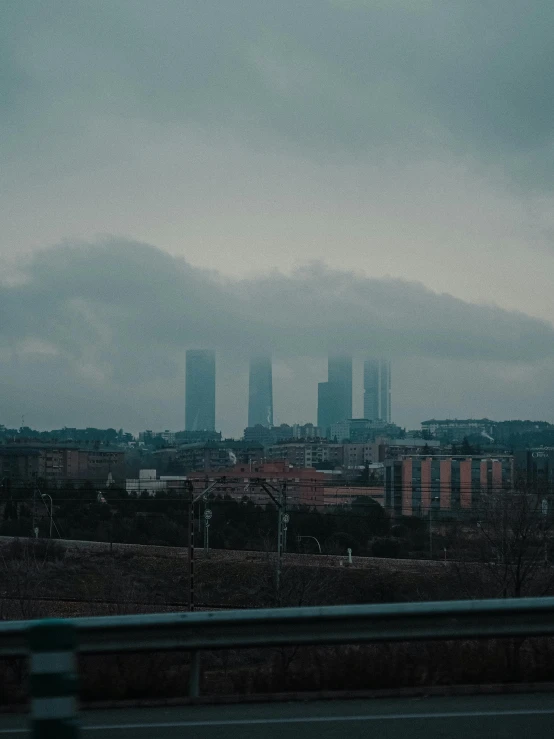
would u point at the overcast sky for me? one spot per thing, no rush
(300, 176)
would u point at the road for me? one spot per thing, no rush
(478, 717)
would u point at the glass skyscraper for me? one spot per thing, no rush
(260, 392)
(200, 390)
(371, 389)
(334, 401)
(377, 390)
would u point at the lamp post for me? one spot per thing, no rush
(299, 538)
(436, 497)
(43, 496)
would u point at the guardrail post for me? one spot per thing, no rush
(53, 680)
(194, 677)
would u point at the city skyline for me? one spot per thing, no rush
(295, 382)
(275, 195)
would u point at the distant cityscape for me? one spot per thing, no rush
(334, 403)
(443, 466)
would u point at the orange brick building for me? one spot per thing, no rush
(415, 484)
(304, 485)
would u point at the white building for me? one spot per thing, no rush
(147, 482)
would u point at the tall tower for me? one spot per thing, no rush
(340, 378)
(260, 392)
(334, 397)
(371, 389)
(325, 410)
(200, 390)
(377, 390)
(385, 400)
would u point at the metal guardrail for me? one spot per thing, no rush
(324, 625)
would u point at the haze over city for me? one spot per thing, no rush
(284, 192)
(276, 368)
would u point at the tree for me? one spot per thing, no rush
(466, 447)
(510, 553)
(508, 548)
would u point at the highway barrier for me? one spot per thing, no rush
(53, 680)
(52, 644)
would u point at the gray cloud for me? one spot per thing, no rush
(325, 75)
(104, 326)
(383, 136)
(116, 293)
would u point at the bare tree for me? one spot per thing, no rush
(504, 554)
(514, 528)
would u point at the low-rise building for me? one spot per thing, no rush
(344, 495)
(450, 485)
(148, 483)
(360, 430)
(307, 453)
(454, 429)
(211, 456)
(535, 467)
(303, 486)
(397, 448)
(358, 455)
(50, 461)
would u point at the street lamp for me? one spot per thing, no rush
(299, 538)
(431, 525)
(43, 496)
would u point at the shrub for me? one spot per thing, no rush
(385, 546)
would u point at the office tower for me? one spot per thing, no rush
(325, 412)
(385, 400)
(371, 389)
(260, 392)
(340, 377)
(334, 397)
(377, 390)
(200, 390)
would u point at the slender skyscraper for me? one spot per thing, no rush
(334, 397)
(377, 390)
(371, 389)
(325, 411)
(340, 377)
(385, 402)
(200, 390)
(260, 392)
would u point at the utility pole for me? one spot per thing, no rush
(207, 517)
(286, 517)
(192, 499)
(33, 515)
(279, 498)
(43, 496)
(431, 526)
(191, 548)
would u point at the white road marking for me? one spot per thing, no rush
(306, 720)
(324, 719)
